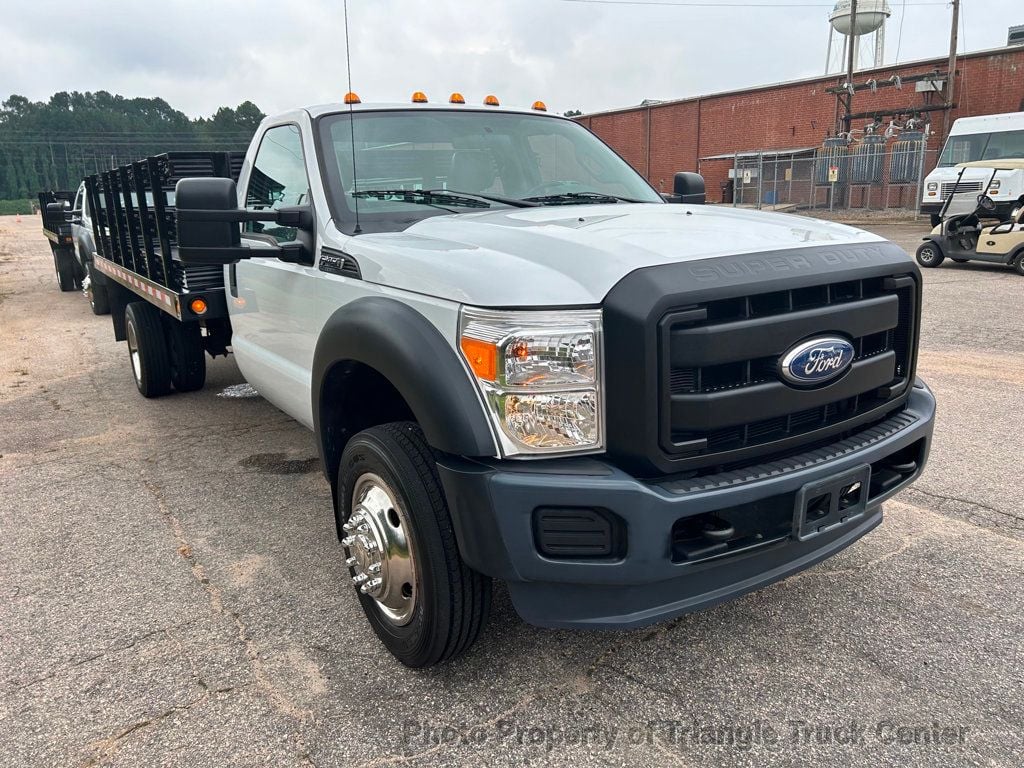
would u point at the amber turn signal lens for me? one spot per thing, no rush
(198, 306)
(492, 101)
(482, 357)
(352, 98)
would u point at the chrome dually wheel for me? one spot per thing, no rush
(379, 550)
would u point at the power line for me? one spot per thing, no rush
(899, 37)
(710, 4)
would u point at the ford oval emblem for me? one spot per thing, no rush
(816, 361)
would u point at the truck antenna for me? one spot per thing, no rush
(351, 124)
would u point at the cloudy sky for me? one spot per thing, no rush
(583, 54)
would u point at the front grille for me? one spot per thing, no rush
(963, 186)
(723, 400)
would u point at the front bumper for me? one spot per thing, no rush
(493, 505)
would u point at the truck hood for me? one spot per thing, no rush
(571, 255)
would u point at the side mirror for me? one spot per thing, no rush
(689, 188)
(55, 210)
(204, 237)
(208, 219)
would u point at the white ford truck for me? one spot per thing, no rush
(522, 362)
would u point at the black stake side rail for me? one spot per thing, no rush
(135, 228)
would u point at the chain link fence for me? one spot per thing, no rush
(867, 176)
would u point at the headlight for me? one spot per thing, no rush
(932, 186)
(540, 375)
(996, 183)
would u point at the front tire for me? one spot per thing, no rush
(67, 277)
(147, 349)
(929, 255)
(99, 299)
(423, 602)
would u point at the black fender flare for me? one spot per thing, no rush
(405, 348)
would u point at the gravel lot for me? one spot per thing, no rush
(172, 593)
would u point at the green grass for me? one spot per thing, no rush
(11, 207)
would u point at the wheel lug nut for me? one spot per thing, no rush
(349, 526)
(374, 568)
(370, 585)
(350, 562)
(359, 578)
(348, 541)
(364, 527)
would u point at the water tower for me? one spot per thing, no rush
(866, 33)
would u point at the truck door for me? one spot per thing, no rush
(273, 326)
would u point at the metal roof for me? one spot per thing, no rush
(762, 152)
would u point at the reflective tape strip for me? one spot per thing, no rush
(130, 279)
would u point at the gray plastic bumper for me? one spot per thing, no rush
(493, 507)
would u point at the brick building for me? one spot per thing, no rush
(662, 138)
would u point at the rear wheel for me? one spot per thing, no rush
(96, 291)
(147, 349)
(425, 604)
(67, 276)
(929, 255)
(186, 354)
(1018, 263)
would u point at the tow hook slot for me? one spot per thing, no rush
(827, 504)
(896, 469)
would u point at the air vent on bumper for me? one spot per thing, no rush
(577, 532)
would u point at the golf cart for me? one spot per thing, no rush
(965, 237)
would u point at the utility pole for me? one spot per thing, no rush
(952, 52)
(851, 57)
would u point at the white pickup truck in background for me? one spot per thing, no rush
(521, 362)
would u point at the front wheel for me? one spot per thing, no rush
(929, 255)
(96, 291)
(1018, 264)
(424, 603)
(67, 275)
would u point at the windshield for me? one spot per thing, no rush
(496, 159)
(982, 146)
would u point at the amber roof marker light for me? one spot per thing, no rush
(456, 98)
(419, 97)
(352, 98)
(540, 106)
(491, 101)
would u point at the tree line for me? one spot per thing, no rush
(56, 143)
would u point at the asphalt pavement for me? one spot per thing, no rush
(172, 591)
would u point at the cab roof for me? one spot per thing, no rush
(1004, 164)
(326, 109)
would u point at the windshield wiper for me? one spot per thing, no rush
(441, 197)
(567, 198)
(422, 197)
(513, 201)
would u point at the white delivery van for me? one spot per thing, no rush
(987, 137)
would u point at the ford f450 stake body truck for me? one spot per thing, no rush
(521, 362)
